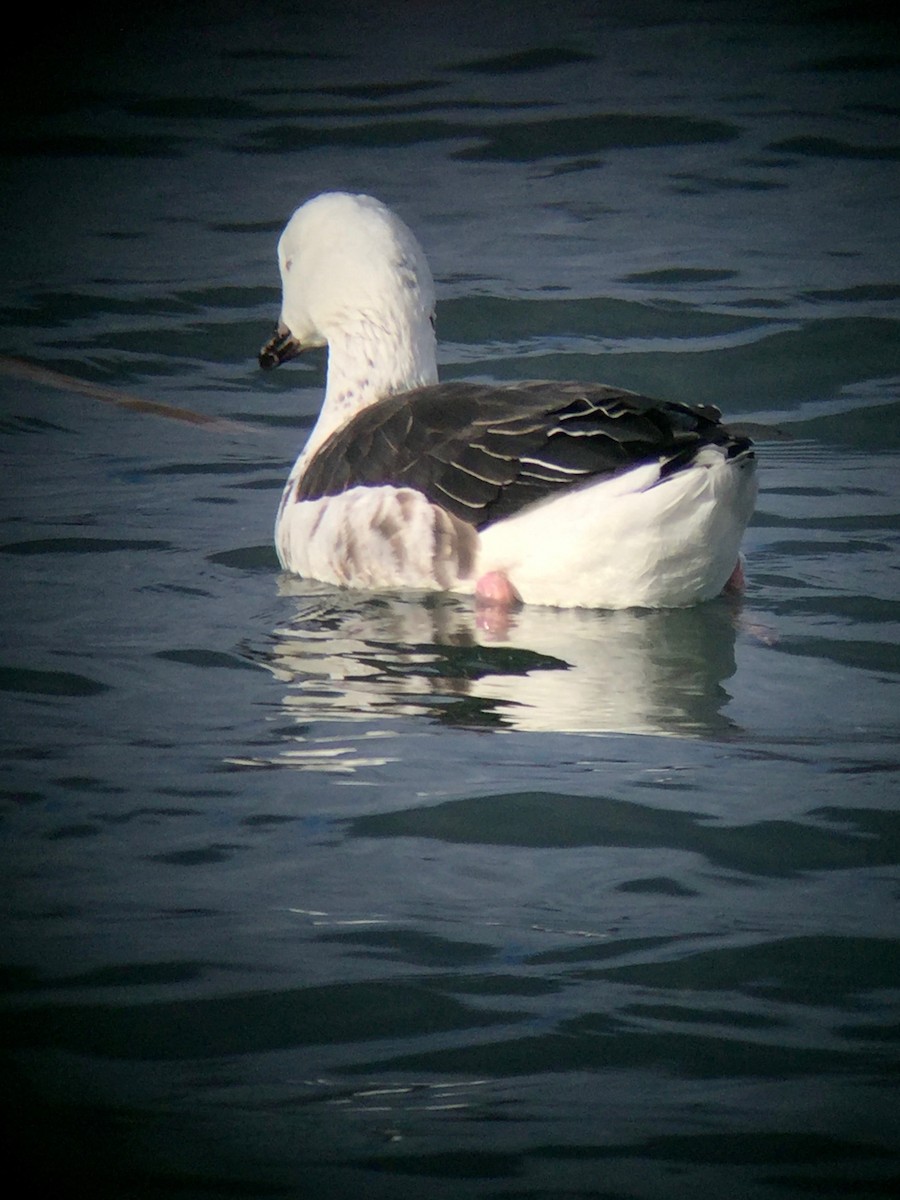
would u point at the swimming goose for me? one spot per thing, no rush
(562, 494)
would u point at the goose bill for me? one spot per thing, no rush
(281, 347)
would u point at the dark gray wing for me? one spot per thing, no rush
(485, 452)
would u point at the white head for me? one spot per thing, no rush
(341, 256)
(355, 278)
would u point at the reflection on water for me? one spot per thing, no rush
(350, 658)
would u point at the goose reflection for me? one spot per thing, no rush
(352, 657)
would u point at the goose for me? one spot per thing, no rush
(571, 495)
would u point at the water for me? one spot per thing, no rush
(325, 894)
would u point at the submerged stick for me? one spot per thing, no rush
(18, 368)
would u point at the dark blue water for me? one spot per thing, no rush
(322, 894)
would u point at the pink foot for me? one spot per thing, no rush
(737, 581)
(494, 589)
(495, 600)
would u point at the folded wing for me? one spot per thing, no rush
(485, 452)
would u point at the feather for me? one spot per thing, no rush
(484, 452)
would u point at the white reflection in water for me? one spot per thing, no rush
(371, 660)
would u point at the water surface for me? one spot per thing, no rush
(313, 893)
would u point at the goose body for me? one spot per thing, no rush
(564, 494)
